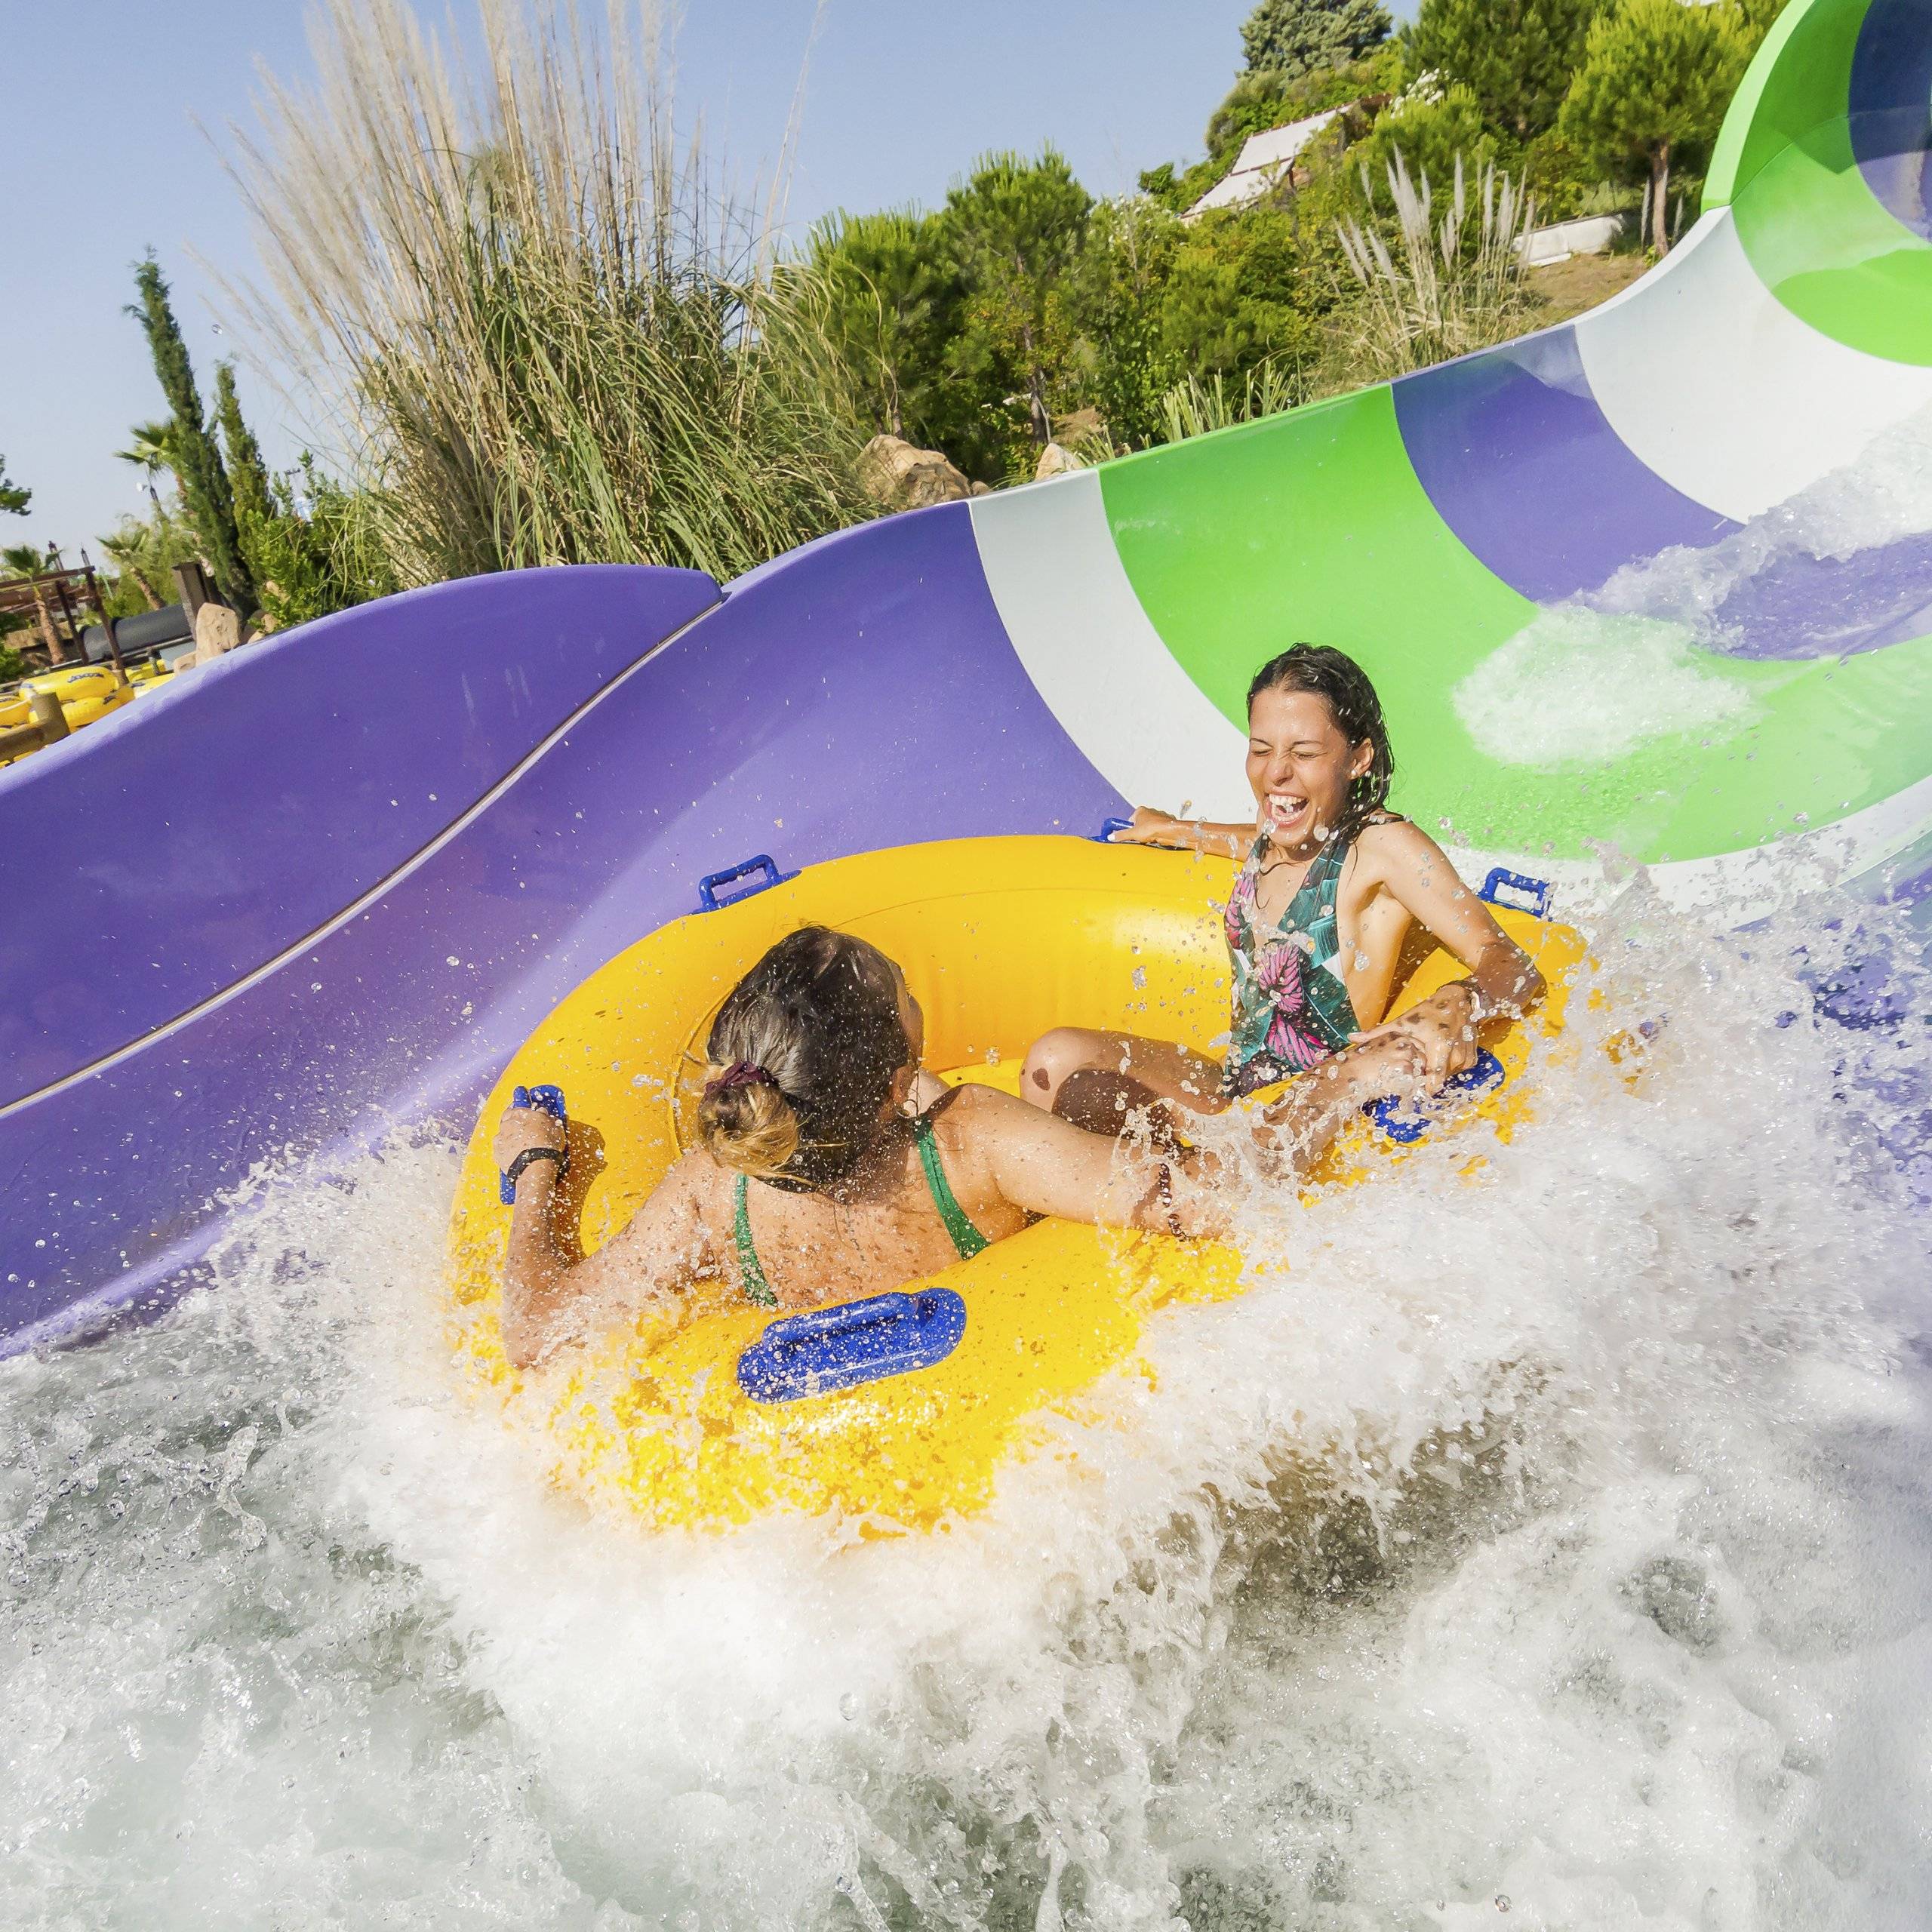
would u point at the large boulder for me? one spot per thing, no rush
(893, 473)
(1056, 460)
(217, 631)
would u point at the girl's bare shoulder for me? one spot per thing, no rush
(1389, 840)
(697, 1181)
(971, 1109)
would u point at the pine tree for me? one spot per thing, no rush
(1291, 37)
(1017, 227)
(13, 500)
(891, 301)
(204, 478)
(247, 474)
(1656, 77)
(1516, 56)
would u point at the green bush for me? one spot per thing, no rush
(321, 550)
(1245, 289)
(1126, 364)
(1428, 126)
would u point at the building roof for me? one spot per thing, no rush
(1264, 158)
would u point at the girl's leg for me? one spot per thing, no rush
(1163, 1070)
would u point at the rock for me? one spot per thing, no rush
(983, 489)
(217, 630)
(893, 472)
(1055, 460)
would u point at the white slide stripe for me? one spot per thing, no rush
(1094, 656)
(1722, 391)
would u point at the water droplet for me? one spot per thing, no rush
(848, 1709)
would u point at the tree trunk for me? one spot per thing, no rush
(146, 586)
(1660, 198)
(49, 635)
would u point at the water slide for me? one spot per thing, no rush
(1646, 589)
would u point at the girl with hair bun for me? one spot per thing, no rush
(833, 1167)
(1331, 885)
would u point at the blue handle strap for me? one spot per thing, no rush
(708, 901)
(1404, 1122)
(546, 1100)
(856, 1342)
(1108, 826)
(1501, 879)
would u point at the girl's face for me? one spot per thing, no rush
(1299, 765)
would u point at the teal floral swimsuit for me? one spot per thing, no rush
(1291, 1005)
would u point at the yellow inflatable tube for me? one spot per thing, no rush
(86, 692)
(1000, 939)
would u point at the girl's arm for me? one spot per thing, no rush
(1502, 983)
(1150, 827)
(553, 1295)
(1048, 1166)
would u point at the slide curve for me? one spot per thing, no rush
(1601, 575)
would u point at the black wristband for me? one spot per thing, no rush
(561, 1155)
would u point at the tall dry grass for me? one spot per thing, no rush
(1444, 286)
(555, 341)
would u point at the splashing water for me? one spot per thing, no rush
(1554, 1539)
(1842, 567)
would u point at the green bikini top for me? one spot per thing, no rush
(966, 1238)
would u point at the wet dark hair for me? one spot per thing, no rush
(1325, 672)
(803, 1055)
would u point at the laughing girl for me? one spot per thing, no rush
(1331, 884)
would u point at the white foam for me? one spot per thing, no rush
(1573, 687)
(1558, 1534)
(1644, 659)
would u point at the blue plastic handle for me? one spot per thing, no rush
(708, 901)
(546, 1100)
(1402, 1122)
(1108, 826)
(1501, 877)
(857, 1342)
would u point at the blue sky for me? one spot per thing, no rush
(105, 159)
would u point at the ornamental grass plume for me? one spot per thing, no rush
(1443, 288)
(553, 339)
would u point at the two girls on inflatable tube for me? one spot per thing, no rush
(830, 1164)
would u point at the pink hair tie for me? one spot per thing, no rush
(740, 1073)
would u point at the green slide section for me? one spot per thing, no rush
(1824, 245)
(1318, 524)
(1313, 524)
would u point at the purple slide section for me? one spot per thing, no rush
(858, 693)
(169, 850)
(1891, 109)
(1799, 605)
(1522, 465)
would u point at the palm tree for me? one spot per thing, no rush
(28, 560)
(124, 547)
(153, 448)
